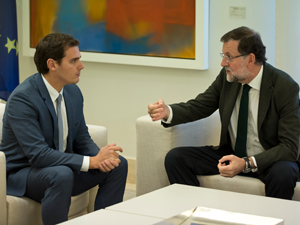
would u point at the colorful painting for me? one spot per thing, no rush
(163, 28)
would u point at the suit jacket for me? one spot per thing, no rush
(30, 132)
(278, 113)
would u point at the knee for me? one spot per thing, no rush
(62, 175)
(123, 165)
(284, 172)
(123, 162)
(172, 156)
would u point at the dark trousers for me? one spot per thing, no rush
(54, 186)
(183, 164)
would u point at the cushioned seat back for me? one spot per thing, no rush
(2, 107)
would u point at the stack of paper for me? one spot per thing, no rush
(208, 216)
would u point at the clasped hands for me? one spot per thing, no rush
(107, 158)
(231, 165)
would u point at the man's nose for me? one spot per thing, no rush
(224, 62)
(81, 66)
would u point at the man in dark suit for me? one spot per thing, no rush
(36, 166)
(260, 118)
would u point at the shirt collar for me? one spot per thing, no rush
(256, 82)
(52, 92)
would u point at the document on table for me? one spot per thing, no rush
(208, 216)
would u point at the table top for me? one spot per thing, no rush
(109, 217)
(174, 199)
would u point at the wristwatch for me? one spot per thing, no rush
(248, 165)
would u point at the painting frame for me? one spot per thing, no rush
(201, 49)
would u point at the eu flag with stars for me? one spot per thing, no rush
(9, 62)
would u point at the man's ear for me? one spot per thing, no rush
(51, 64)
(251, 59)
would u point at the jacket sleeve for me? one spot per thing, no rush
(280, 130)
(200, 107)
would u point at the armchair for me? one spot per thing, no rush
(154, 141)
(22, 210)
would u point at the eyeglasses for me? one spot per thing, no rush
(229, 58)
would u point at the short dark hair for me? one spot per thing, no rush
(52, 46)
(250, 42)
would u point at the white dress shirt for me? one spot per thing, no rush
(53, 95)
(253, 145)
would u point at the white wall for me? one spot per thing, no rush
(287, 37)
(116, 95)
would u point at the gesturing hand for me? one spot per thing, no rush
(158, 110)
(106, 159)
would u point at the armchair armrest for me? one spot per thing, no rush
(154, 141)
(99, 136)
(3, 211)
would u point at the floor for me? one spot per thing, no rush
(130, 191)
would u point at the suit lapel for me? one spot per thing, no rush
(70, 114)
(230, 96)
(266, 91)
(48, 102)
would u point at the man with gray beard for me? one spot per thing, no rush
(260, 117)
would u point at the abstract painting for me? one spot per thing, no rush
(160, 28)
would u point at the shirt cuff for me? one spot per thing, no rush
(169, 120)
(85, 164)
(255, 164)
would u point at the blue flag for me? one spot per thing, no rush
(9, 61)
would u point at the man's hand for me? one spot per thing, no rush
(159, 110)
(231, 165)
(106, 159)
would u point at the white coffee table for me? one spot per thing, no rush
(110, 217)
(172, 200)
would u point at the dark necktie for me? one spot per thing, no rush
(241, 139)
(60, 124)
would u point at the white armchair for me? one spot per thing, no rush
(22, 210)
(154, 141)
